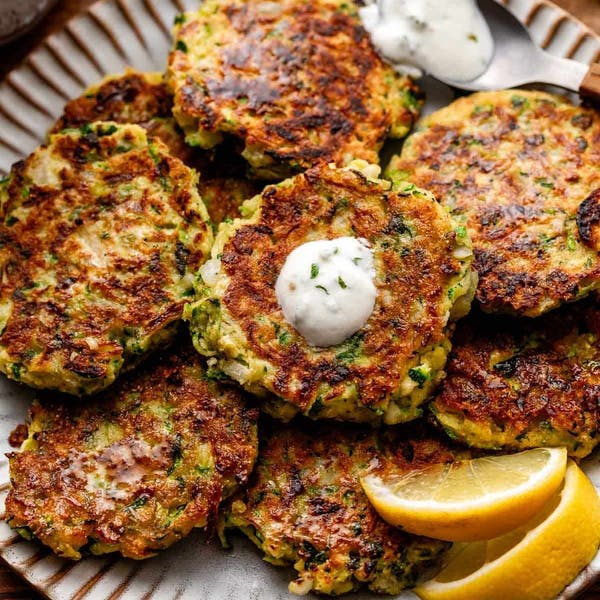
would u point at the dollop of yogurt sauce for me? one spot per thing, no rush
(446, 38)
(326, 289)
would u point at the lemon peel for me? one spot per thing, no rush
(534, 562)
(468, 500)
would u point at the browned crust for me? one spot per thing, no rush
(163, 413)
(129, 98)
(516, 167)
(521, 375)
(588, 220)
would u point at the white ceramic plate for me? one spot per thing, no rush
(111, 36)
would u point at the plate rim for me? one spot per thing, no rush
(591, 573)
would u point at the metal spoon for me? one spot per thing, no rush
(517, 60)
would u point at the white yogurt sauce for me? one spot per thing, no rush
(446, 38)
(326, 290)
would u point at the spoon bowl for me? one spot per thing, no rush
(518, 60)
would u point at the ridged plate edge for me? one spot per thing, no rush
(111, 35)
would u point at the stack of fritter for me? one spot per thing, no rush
(107, 249)
(519, 169)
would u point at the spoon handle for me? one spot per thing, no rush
(590, 86)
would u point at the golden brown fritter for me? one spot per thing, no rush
(305, 506)
(144, 99)
(515, 384)
(135, 469)
(516, 167)
(102, 231)
(389, 367)
(299, 82)
(133, 97)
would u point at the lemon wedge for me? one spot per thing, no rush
(534, 562)
(469, 500)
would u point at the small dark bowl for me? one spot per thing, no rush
(19, 16)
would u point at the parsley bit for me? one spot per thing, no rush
(314, 270)
(342, 283)
(320, 287)
(356, 260)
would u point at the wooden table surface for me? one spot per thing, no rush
(11, 586)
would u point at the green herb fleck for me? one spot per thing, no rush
(108, 130)
(86, 129)
(153, 151)
(356, 528)
(317, 406)
(138, 502)
(483, 108)
(410, 100)
(179, 19)
(418, 375)
(176, 512)
(342, 283)
(544, 183)
(545, 239)
(284, 338)
(314, 271)
(396, 225)
(352, 350)
(313, 556)
(213, 374)
(320, 287)
(518, 101)
(181, 45)
(122, 148)
(16, 370)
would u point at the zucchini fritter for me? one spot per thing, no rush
(515, 167)
(389, 367)
(305, 506)
(143, 99)
(132, 97)
(514, 384)
(298, 82)
(135, 469)
(102, 231)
